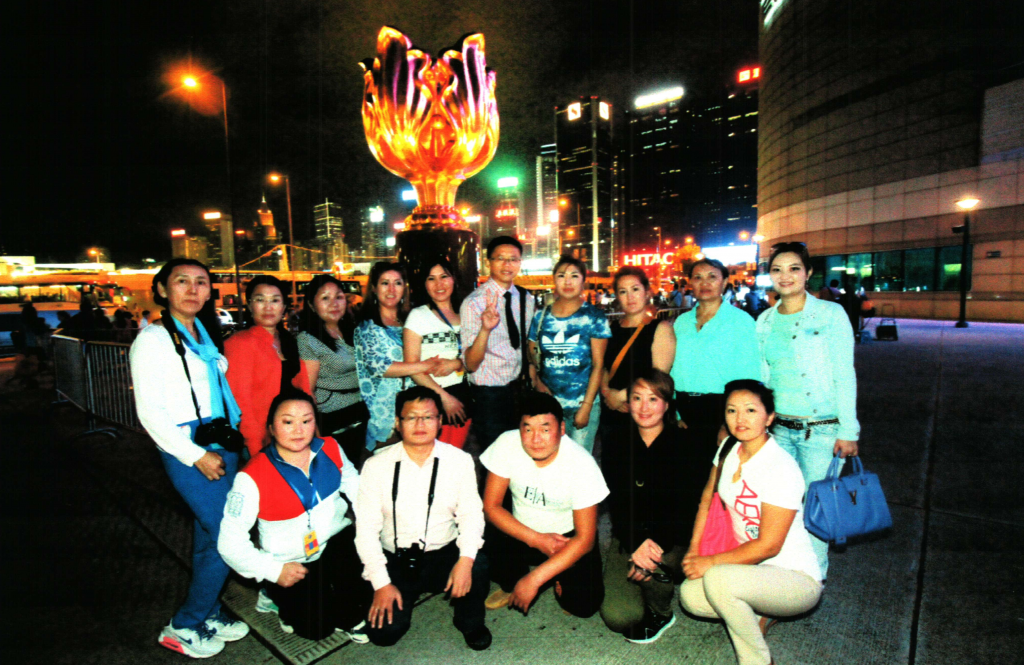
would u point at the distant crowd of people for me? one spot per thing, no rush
(439, 441)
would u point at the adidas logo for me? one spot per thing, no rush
(559, 344)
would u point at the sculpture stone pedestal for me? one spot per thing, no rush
(419, 250)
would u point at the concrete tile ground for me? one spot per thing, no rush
(94, 543)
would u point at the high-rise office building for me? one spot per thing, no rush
(185, 246)
(372, 232)
(327, 223)
(547, 199)
(220, 234)
(731, 163)
(584, 143)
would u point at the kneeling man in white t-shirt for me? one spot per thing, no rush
(556, 486)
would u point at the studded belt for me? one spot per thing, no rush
(802, 425)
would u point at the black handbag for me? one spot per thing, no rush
(353, 414)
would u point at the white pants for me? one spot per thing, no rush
(739, 593)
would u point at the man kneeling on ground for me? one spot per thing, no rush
(420, 525)
(556, 486)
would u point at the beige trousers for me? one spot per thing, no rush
(739, 594)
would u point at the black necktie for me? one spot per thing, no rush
(513, 329)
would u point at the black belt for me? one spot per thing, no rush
(801, 425)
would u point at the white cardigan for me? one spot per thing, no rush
(162, 396)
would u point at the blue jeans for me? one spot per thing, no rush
(206, 498)
(584, 436)
(813, 454)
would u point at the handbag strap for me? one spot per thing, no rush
(726, 447)
(625, 349)
(540, 327)
(179, 348)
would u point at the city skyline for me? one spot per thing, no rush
(111, 161)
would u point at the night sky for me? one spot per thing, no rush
(97, 154)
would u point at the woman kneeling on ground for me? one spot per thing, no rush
(655, 488)
(774, 571)
(297, 488)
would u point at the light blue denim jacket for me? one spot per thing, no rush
(825, 350)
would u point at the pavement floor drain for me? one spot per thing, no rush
(241, 600)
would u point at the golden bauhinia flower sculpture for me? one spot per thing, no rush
(434, 123)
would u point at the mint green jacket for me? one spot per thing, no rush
(824, 350)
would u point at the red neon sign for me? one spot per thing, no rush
(747, 75)
(641, 259)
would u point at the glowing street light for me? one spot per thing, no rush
(95, 253)
(967, 205)
(276, 179)
(744, 236)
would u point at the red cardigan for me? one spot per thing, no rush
(254, 374)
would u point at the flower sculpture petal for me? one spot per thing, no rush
(434, 123)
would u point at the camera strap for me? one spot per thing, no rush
(394, 501)
(179, 347)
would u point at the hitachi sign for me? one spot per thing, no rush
(648, 259)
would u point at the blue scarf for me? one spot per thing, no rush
(220, 391)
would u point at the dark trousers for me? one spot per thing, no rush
(433, 577)
(494, 413)
(616, 430)
(332, 595)
(704, 416)
(582, 584)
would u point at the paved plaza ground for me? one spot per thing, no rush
(95, 542)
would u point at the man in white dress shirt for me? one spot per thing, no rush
(426, 491)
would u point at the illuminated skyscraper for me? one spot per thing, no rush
(547, 193)
(583, 139)
(327, 224)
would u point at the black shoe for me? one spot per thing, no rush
(478, 639)
(650, 628)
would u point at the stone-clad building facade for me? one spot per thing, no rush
(876, 117)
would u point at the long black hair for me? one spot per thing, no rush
(371, 306)
(310, 321)
(207, 315)
(289, 347)
(422, 296)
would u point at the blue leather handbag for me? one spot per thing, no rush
(840, 508)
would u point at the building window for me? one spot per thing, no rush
(919, 269)
(859, 271)
(949, 268)
(889, 271)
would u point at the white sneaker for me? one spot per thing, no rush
(285, 627)
(226, 628)
(264, 604)
(200, 642)
(357, 634)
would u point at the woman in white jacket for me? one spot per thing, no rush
(298, 489)
(179, 385)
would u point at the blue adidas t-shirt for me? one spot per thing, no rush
(565, 350)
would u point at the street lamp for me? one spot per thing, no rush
(276, 179)
(966, 204)
(95, 253)
(193, 82)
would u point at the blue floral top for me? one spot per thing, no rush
(376, 348)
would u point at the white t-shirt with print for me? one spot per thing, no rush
(543, 498)
(439, 339)
(771, 476)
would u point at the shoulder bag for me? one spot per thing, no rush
(718, 535)
(840, 508)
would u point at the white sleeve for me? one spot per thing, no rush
(349, 477)
(415, 322)
(151, 359)
(496, 458)
(233, 543)
(469, 513)
(784, 486)
(369, 523)
(589, 487)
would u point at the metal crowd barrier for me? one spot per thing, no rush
(663, 314)
(96, 378)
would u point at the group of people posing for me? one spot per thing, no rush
(343, 444)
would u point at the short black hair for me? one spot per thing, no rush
(834, 283)
(714, 263)
(763, 392)
(503, 240)
(538, 404)
(567, 260)
(416, 394)
(798, 248)
(289, 394)
(145, 312)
